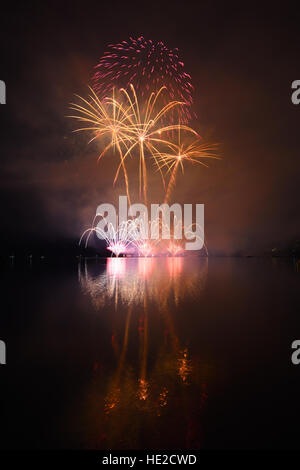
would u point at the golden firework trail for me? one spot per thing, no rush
(181, 153)
(131, 126)
(146, 127)
(104, 119)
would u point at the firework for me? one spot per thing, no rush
(118, 240)
(130, 237)
(148, 65)
(181, 153)
(104, 119)
(145, 129)
(175, 249)
(140, 229)
(132, 127)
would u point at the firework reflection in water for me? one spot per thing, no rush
(142, 392)
(129, 280)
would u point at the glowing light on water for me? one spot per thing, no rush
(143, 389)
(184, 366)
(129, 280)
(145, 267)
(116, 266)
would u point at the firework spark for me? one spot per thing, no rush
(148, 65)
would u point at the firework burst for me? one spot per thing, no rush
(148, 65)
(132, 126)
(105, 119)
(138, 109)
(118, 240)
(146, 129)
(181, 153)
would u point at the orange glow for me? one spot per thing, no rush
(145, 266)
(143, 390)
(175, 266)
(184, 367)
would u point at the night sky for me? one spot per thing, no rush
(242, 60)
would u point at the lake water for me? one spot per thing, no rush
(157, 353)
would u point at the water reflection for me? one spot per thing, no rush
(155, 393)
(132, 280)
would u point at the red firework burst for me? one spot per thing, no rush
(148, 66)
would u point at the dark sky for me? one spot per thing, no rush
(242, 59)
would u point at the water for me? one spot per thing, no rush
(150, 353)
